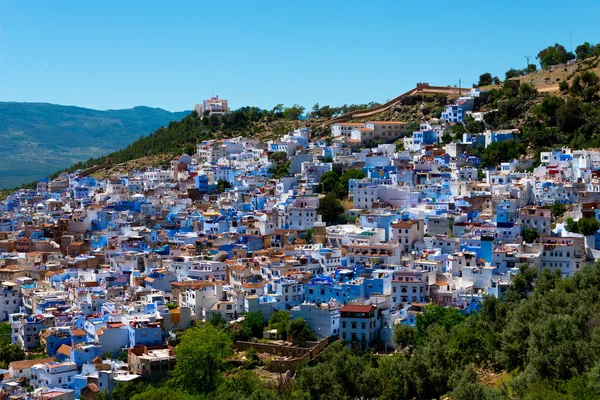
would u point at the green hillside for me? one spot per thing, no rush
(37, 139)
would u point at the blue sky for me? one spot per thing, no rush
(172, 54)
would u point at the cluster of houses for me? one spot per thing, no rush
(101, 274)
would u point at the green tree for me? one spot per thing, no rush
(527, 91)
(530, 235)
(298, 329)
(339, 374)
(280, 320)
(329, 183)
(447, 138)
(278, 156)
(514, 73)
(586, 85)
(293, 112)
(222, 185)
(253, 324)
(161, 393)
(465, 386)
(433, 314)
(473, 126)
(331, 209)
(308, 235)
(200, 356)
(458, 130)
(563, 86)
(584, 51)
(126, 390)
(404, 336)
(553, 55)
(558, 209)
(587, 226)
(521, 284)
(485, 79)
(571, 225)
(244, 385)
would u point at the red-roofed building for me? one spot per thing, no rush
(359, 323)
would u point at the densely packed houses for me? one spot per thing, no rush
(94, 268)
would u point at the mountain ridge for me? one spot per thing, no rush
(38, 138)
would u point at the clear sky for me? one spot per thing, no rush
(172, 54)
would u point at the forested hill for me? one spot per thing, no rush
(37, 139)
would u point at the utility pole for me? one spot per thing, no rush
(527, 57)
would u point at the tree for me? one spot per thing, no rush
(244, 385)
(278, 156)
(308, 235)
(293, 112)
(558, 209)
(530, 235)
(447, 138)
(514, 73)
(563, 86)
(298, 329)
(404, 336)
(458, 130)
(465, 385)
(223, 184)
(584, 51)
(329, 183)
(527, 91)
(521, 284)
(553, 55)
(253, 324)
(200, 356)
(485, 79)
(586, 85)
(340, 374)
(315, 111)
(587, 226)
(161, 393)
(473, 126)
(280, 320)
(126, 390)
(433, 314)
(331, 209)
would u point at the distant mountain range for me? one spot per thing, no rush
(37, 139)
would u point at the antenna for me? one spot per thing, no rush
(570, 41)
(527, 57)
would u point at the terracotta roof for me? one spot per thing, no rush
(25, 364)
(78, 332)
(249, 285)
(357, 308)
(388, 122)
(65, 350)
